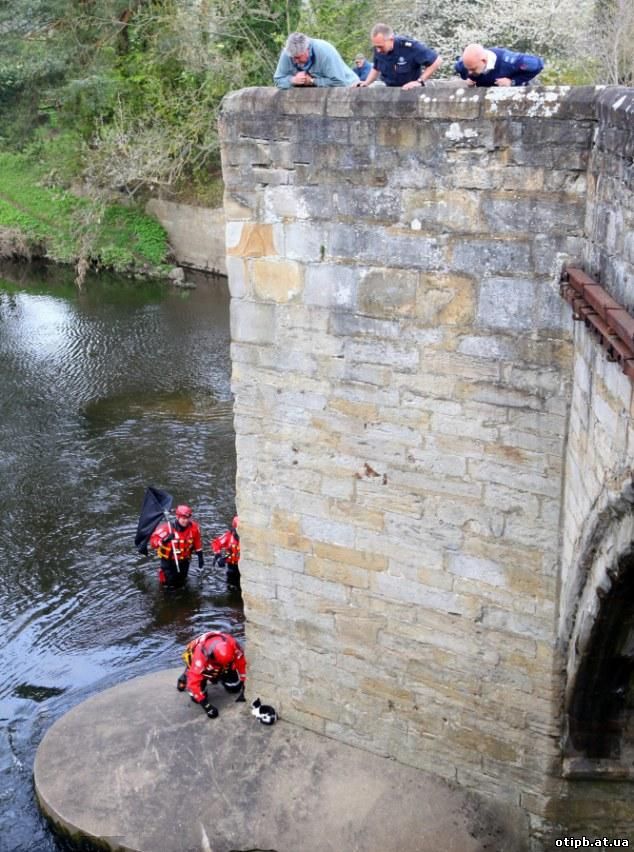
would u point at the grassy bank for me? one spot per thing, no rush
(37, 219)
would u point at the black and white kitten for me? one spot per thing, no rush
(264, 712)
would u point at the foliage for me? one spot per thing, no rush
(345, 23)
(612, 41)
(547, 28)
(123, 95)
(150, 101)
(70, 227)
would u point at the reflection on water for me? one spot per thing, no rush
(102, 392)
(179, 405)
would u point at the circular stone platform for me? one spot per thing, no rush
(140, 767)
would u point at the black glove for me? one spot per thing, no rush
(210, 710)
(167, 538)
(201, 559)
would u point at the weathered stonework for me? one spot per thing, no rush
(421, 435)
(196, 234)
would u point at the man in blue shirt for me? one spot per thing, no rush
(311, 62)
(361, 66)
(400, 60)
(497, 66)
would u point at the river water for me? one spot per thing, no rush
(102, 392)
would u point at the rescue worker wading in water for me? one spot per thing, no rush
(226, 550)
(174, 546)
(213, 658)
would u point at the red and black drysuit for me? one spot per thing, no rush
(226, 550)
(169, 538)
(201, 668)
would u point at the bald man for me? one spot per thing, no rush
(497, 66)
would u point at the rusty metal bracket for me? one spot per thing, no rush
(605, 318)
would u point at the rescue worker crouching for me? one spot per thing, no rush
(175, 545)
(213, 658)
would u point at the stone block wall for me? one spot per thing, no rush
(600, 455)
(196, 234)
(402, 371)
(598, 519)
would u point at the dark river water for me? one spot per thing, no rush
(102, 392)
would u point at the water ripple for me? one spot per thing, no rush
(102, 393)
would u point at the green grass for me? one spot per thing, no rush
(116, 237)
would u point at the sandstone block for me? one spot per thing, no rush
(277, 280)
(442, 211)
(445, 299)
(330, 532)
(237, 275)
(368, 560)
(506, 303)
(246, 239)
(498, 619)
(485, 570)
(387, 292)
(492, 257)
(304, 242)
(378, 246)
(399, 135)
(541, 216)
(362, 203)
(252, 322)
(346, 575)
(449, 99)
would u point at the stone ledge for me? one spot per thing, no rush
(139, 767)
(589, 769)
(615, 106)
(445, 99)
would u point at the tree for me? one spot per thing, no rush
(612, 41)
(345, 23)
(551, 28)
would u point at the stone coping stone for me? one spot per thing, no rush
(616, 106)
(444, 99)
(140, 767)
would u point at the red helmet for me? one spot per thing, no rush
(222, 649)
(183, 511)
(235, 522)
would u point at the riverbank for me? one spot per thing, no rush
(40, 219)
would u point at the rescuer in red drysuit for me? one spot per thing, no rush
(174, 546)
(226, 550)
(212, 658)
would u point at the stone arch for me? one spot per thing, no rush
(599, 696)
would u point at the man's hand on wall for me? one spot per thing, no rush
(302, 79)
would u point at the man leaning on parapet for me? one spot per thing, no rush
(308, 61)
(401, 61)
(497, 66)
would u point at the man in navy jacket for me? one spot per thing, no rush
(399, 60)
(497, 66)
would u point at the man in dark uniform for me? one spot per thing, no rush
(399, 60)
(497, 66)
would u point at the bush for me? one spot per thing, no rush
(72, 228)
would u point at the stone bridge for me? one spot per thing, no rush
(434, 459)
